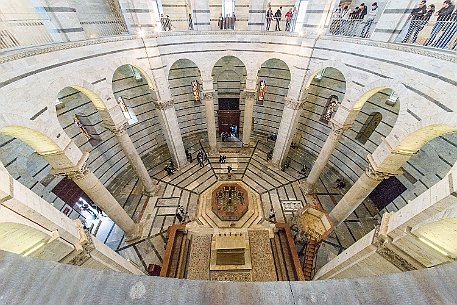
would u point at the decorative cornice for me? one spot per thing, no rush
(162, 105)
(439, 54)
(292, 103)
(395, 259)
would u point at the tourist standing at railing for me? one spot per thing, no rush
(288, 19)
(278, 16)
(220, 23)
(233, 20)
(416, 16)
(345, 14)
(423, 22)
(336, 19)
(227, 22)
(294, 18)
(370, 19)
(162, 22)
(269, 18)
(191, 24)
(449, 32)
(444, 16)
(363, 11)
(354, 21)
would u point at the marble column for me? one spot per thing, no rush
(326, 152)
(357, 193)
(287, 127)
(248, 114)
(208, 100)
(134, 158)
(139, 14)
(92, 187)
(201, 15)
(169, 122)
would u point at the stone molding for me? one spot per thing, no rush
(395, 259)
(118, 130)
(250, 94)
(87, 247)
(337, 129)
(162, 105)
(292, 103)
(439, 54)
(374, 174)
(80, 173)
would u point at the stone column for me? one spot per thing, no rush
(257, 11)
(92, 187)
(208, 100)
(60, 19)
(134, 158)
(326, 152)
(357, 193)
(248, 114)
(169, 121)
(287, 127)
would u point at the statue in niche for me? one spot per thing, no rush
(369, 127)
(330, 108)
(261, 96)
(196, 92)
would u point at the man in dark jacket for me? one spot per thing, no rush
(277, 16)
(444, 17)
(416, 14)
(448, 32)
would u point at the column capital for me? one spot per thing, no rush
(338, 129)
(118, 129)
(250, 94)
(292, 103)
(208, 95)
(79, 173)
(162, 105)
(374, 174)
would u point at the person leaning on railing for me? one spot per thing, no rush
(336, 19)
(444, 17)
(416, 14)
(419, 24)
(449, 31)
(371, 17)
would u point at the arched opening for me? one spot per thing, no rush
(26, 154)
(134, 94)
(325, 86)
(229, 76)
(273, 84)
(186, 88)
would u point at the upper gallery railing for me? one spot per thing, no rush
(23, 32)
(439, 34)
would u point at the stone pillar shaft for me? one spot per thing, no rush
(134, 158)
(290, 116)
(356, 194)
(248, 114)
(324, 155)
(169, 121)
(208, 99)
(93, 188)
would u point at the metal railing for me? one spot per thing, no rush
(23, 33)
(352, 27)
(102, 25)
(439, 34)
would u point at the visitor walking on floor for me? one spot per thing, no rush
(278, 16)
(191, 24)
(229, 172)
(288, 19)
(272, 215)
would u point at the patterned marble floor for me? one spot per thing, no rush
(249, 165)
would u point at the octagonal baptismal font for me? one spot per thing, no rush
(229, 202)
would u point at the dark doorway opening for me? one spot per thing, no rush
(229, 116)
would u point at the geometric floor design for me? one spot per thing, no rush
(185, 186)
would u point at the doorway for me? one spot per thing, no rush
(229, 116)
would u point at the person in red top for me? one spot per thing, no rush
(288, 16)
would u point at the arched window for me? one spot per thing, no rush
(330, 108)
(369, 127)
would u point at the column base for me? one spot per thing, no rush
(308, 188)
(213, 151)
(150, 193)
(136, 235)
